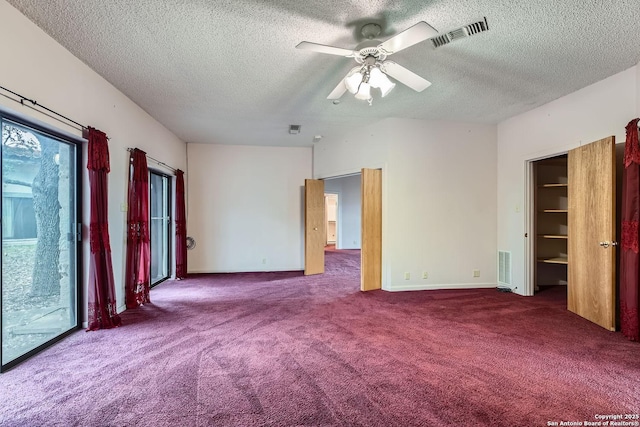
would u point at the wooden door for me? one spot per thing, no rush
(371, 252)
(591, 220)
(314, 233)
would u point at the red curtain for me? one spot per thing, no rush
(102, 302)
(629, 257)
(181, 228)
(137, 277)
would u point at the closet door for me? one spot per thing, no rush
(371, 253)
(591, 222)
(314, 233)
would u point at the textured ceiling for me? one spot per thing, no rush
(227, 71)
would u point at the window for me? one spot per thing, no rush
(160, 201)
(40, 252)
(18, 216)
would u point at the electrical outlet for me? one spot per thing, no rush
(407, 275)
(476, 273)
(264, 260)
(425, 275)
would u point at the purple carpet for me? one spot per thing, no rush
(280, 349)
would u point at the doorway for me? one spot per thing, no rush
(347, 193)
(580, 185)
(160, 236)
(550, 224)
(41, 259)
(331, 219)
(370, 226)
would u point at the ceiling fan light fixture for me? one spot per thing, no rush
(379, 80)
(353, 80)
(364, 92)
(385, 89)
(376, 77)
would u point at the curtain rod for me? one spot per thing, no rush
(36, 104)
(155, 160)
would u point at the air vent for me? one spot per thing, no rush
(476, 28)
(294, 129)
(460, 33)
(504, 268)
(440, 40)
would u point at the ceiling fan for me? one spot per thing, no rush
(373, 67)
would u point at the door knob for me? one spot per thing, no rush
(315, 228)
(607, 243)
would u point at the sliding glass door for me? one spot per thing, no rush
(160, 201)
(40, 259)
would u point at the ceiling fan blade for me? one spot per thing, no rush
(338, 91)
(331, 50)
(419, 32)
(404, 76)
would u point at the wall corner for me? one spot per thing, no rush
(637, 91)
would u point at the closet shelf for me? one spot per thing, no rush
(555, 210)
(553, 185)
(555, 260)
(550, 221)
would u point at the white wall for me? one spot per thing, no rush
(439, 198)
(39, 68)
(637, 68)
(587, 115)
(245, 207)
(349, 207)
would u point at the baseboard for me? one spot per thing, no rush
(298, 268)
(430, 287)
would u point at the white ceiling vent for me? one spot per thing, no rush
(504, 268)
(460, 33)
